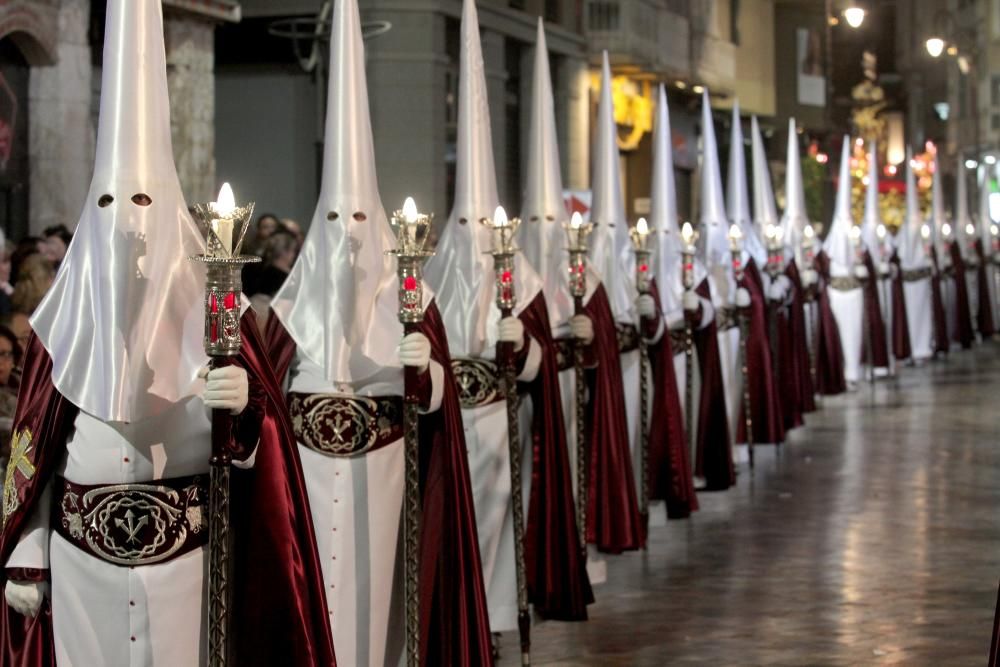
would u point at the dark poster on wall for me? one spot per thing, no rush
(14, 73)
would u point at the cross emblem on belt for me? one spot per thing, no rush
(131, 526)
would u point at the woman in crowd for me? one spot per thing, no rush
(34, 279)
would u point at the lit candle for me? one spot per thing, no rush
(410, 216)
(880, 232)
(925, 232)
(970, 229)
(576, 220)
(809, 234)
(735, 236)
(946, 230)
(222, 226)
(642, 227)
(500, 229)
(687, 235)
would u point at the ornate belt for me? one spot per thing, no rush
(338, 425)
(628, 338)
(134, 524)
(727, 318)
(845, 283)
(917, 274)
(565, 353)
(972, 262)
(478, 382)
(678, 340)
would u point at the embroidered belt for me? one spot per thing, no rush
(134, 524)
(565, 353)
(972, 262)
(845, 283)
(338, 425)
(628, 338)
(678, 340)
(727, 318)
(478, 382)
(917, 274)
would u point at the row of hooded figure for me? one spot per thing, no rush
(105, 506)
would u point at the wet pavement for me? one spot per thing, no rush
(872, 537)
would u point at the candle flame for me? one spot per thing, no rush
(500, 217)
(771, 231)
(642, 227)
(925, 231)
(225, 204)
(970, 229)
(880, 231)
(576, 221)
(855, 233)
(410, 212)
(946, 229)
(735, 233)
(809, 232)
(687, 233)
(994, 230)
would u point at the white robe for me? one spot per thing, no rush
(356, 504)
(489, 466)
(885, 304)
(848, 308)
(920, 318)
(972, 290)
(106, 614)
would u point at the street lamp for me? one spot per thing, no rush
(854, 15)
(935, 46)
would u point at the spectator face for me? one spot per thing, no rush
(21, 328)
(266, 226)
(6, 360)
(54, 249)
(4, 267)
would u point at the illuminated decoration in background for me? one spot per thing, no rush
(633, 106)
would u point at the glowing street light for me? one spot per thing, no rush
(935, 46)
(855, 16)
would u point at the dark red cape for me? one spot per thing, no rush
(557, 576)
(279, 607)
(987, 327)
(714, 455)
(830, 354)
(796, 376)
(669, 465)
(768, 419)
(454, 622)
(613, 522)
(900, 325)
(873, 311)
(964, 335)
(941, 341)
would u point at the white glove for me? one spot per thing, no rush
(809, 277)
(582, 328)
(645, 305)
(26, 597)
(742, 297)
(691, 301)
(776, 292)
(226, 388)
(861, 272)
(415, 351)
(512, 331)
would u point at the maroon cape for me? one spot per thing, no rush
(876, 325)
(454, 622)
(987, 327)
(613, 522)
(279, 607)
(714, 456)
(941, 341)
(900, 325)
(964, 335)
(669, 466)
(796, 375)
(768, 418)
(557, 576)
(830, 354)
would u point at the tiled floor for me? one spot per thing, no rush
(871, 538)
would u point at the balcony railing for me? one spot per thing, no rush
(641, 32)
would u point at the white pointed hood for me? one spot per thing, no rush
(985, 222)
(795, 216)
(838, 246)
(909, 244)
(873, 218)
(339, 302)
(610, 249)
(753, 243)
(962, 217)
(541, 235)
(714, 221)
(938, 215)
(123, 321)
(461, 271)
(663, 215)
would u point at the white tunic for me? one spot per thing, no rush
(919, 318)
(972, 290)
(106, 614)
(848, 308)
(355, 504)
(489, 466)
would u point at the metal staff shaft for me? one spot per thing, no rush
(689, 389)
(411, 513)
(220, 539)
(747, 408)
(582, 468)
(644, 432)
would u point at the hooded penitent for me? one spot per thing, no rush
(986, 312)
(670, 475)
(768, 421)
(916, 272)
(873, 260)
(717, 349)
(844, 289)
(124, 326)
(942, 283)
(795, 217)
(335, 339)
(127, 272)
(613, 513)
(551, 537)
(965, 281)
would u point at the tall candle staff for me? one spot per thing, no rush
(884, 293)
(221, 219)
(640, 245)
(689, 237)
(736, 250)
(809, 255)
(412, 230)
(579, 235)
(503, 251)
(863, 278)
(774, 236)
